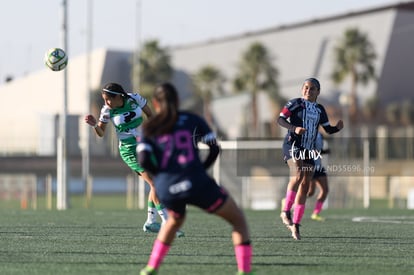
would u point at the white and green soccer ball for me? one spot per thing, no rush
(56, 59)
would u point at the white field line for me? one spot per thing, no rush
(395, 220)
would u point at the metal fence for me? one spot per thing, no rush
(255, 174)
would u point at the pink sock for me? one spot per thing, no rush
(318, 207)
(298, 213)
(243, 257)
(159, 250)
(290, 199)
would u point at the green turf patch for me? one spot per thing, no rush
(92, 241)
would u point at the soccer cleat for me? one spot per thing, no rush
(294, 228)
(152, 227)
(318, 218)
(179, 234)
(148, 271)
(244, 273)
(286, 218)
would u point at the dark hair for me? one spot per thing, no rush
(163, 122)
(114, 89)
(314, 82)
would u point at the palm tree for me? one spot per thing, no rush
(256, 73)
(208, 82)
(354, 57)
(152, 68)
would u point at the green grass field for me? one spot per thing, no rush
(104, 241)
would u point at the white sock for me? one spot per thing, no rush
(152, 217)
(163, 215)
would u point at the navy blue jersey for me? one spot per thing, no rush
(177, 152)
(305, 114)
(180, 176)
(319, 168)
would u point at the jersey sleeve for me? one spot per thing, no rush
(139, 99)
(289, 107)
(104, 116)
(286, 112)
(205, 135)
(324, 121)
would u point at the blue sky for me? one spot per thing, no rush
(30, 27)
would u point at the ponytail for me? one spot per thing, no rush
(163, 122)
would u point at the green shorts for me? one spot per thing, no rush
(128, 153)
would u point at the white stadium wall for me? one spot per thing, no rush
(35, 100)
(299, 51)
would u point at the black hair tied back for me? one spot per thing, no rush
(114, 89)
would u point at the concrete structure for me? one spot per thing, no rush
(31, 104)
(306, 49)
(299, 51)
(36, 100)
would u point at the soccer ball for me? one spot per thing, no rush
(56, 59)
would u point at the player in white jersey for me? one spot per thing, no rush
(125, 111)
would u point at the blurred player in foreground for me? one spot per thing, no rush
(169, 151)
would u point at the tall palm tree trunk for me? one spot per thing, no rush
(353, 102)
(255, 115)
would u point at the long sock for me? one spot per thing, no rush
(243, 257)
(318, 207)
(159, 251)
(151, 216)
(298, 213)
(162, 212)
(290, 199)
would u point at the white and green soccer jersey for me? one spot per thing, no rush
(126, 119)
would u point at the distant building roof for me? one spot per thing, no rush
(298, 50)
(305, 49)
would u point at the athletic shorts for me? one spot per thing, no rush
(128, 153)
(287, 153)
(319, 173)
(202, 192)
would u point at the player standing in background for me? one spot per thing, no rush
(302, 117)
(169, 151)
(319, 179)
(125, 110)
